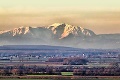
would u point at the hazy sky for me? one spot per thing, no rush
(101, 16)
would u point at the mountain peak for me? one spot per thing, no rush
(62, 30)
(16, 31)
(59, 34)
(20, 30)
(57, 24)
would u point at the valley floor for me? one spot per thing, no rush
(59, 77)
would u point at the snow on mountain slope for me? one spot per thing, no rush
(22, 31)
(16, 31)
(59, 34)
(63, 30)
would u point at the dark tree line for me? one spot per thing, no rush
(21, 70)
(70, 61)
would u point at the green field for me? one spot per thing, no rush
(67, 73)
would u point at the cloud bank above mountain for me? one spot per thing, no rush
(97, 15)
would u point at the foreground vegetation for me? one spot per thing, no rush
(51, 79)
(60, 78)
(59, 72)
(21, 70)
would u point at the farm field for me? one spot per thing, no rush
(59, 79)
(55, 77)
(25, 79)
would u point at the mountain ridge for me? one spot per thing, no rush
(70, 29)
(59, 34)
(67, 29)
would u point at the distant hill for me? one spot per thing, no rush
(36, 47)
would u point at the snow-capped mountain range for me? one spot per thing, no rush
(59, 34)
(60, 29)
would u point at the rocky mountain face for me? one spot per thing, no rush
(63, 30)
(59, 34)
